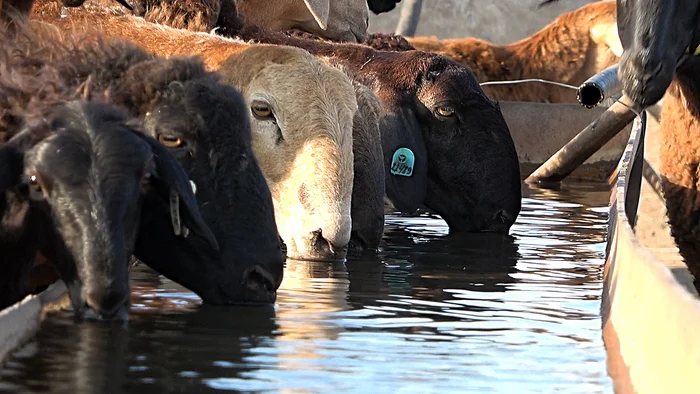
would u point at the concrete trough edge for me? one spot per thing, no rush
(19, 322)
(649, 318)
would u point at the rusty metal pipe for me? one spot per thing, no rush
(586, 143)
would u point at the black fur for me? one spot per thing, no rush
(178, 98)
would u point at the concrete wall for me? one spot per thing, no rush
(499, 21)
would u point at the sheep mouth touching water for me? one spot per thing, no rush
(203, 124)
(301, 113)
(84, 182)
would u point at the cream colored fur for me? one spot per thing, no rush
(306, 151)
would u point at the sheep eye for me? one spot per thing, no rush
(445, 111)
(261, 110)
(170, 141)
(34, 183)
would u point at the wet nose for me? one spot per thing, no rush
(109, 303)
(260, 285)
(325, 249)
(501, 221)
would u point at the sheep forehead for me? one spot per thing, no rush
(75, 156)
(309, 92)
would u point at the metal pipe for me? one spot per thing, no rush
(586, 143)
(599, 87)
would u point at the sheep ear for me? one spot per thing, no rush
(320, 9)
(405, 160)
(178, 190)
(12, 159)
(11, 167)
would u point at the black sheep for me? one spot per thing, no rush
(204, 124)
(72, 183)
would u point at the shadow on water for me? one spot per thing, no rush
(162, 349)
(431, 312)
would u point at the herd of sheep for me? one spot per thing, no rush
(200, 137)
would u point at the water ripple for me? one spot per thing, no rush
(433, 312)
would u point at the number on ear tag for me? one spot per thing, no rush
(402, 162)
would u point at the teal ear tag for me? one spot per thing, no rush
(402, 162)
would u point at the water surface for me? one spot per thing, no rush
(432, 313)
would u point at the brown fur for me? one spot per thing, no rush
(680, 162)
(114, 21)
(572, 48)
(344, 21)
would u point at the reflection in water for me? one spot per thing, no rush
(432, 312)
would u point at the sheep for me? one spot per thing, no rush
(72, 182)
(572, 48)
(580, 43)
(434, 107)
(204, 124)
(302, 118)
(367, 210)
(674, 56)
(445, 144)
(301, 112)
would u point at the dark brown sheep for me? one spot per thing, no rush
(669, 63)
(436, 107)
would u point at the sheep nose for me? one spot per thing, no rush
(109, 304)
(500, 221)
(325, 249)
(261, 282)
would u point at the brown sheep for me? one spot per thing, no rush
(413, 86)
(575, 46)
(572, 48)
(668, 65)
